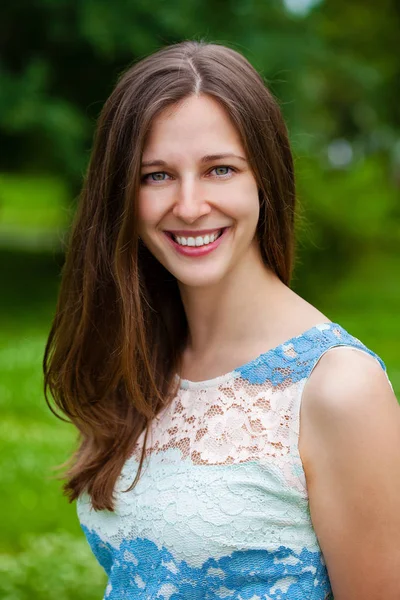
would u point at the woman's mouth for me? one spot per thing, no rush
(197, 246)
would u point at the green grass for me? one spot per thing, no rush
(55, 565)
(33, 202)
(35, 211)
(43, 553)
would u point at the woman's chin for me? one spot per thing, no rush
(199, 277)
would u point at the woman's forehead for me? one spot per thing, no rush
(199, 122)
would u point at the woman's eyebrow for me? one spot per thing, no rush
(205, 159)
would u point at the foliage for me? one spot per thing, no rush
(335, 69)
(343, 214)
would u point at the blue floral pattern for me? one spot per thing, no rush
(139, 569)
(294, 359)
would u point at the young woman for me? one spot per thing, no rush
(234, 441)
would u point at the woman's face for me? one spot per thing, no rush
(187, 189)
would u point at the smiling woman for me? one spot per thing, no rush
(268, 433)
(194, 192)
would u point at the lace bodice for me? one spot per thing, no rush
(221, 508)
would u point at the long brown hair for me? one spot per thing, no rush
(120, 328)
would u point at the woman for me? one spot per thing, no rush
(183, 357)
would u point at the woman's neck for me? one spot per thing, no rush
(239, 309)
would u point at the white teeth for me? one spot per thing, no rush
(199, 240)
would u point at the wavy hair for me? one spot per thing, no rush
(120, 328)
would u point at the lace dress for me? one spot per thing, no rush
(221, 508)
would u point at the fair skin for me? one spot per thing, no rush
(237, 308)
(231, 300)
(350, 448)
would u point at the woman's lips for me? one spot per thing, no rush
(197, 250)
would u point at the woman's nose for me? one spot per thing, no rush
(190, 202)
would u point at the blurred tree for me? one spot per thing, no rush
(357, 77)
(60, 60)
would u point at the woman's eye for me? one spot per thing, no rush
(160, 176)
(222, 167)
(154, 176)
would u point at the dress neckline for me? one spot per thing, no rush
(187, 384)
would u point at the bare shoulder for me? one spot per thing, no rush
(345, 380)
(350, 448)
(348, 395)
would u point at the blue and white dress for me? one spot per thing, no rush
(221, 508)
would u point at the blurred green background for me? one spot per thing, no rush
(334, 66)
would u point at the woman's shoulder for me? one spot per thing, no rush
(348, 381)
(345, 376)
(349, 440)
(346, 392)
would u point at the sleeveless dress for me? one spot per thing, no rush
(221, 507)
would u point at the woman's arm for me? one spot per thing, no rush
(350, 448)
